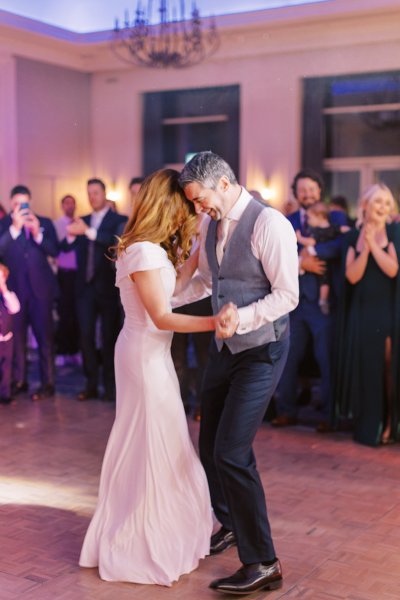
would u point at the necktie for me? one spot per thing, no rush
(90, 261)
(223, 231)
(306, 229)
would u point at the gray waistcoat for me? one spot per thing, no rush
(241, 279)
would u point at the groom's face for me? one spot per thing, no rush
(209, 201)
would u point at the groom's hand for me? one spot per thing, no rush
(227, 321)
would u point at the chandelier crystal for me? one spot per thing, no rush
(172, 42)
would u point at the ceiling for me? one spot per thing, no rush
(84, 16)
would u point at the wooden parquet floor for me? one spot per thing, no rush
(334, 508)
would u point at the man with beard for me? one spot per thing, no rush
(307, 321)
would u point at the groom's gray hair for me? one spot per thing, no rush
(207, 169)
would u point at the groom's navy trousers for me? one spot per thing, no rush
(237, 389)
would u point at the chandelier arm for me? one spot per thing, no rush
(173, 42)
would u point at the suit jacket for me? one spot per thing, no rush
(30, 271)
(6, 318)
(328, 251)
(104, 268)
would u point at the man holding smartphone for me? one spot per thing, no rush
(26, 243)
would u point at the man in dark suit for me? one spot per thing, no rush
(307, 321)
(96, 294)
(134, 186)
(26, 243)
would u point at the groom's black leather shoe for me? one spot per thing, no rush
(222, 540)
(250, 579)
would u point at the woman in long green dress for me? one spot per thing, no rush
(367, 378)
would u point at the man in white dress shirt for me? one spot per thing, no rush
(249, 253)
(96, 295)
(67, 336)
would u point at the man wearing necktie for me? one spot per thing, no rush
(96, 295)
(307, 322)
(67, 338)
(223, 233)
(26, 243)
(248, 255)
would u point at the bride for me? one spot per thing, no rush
(153, 519)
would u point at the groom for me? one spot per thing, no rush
(249, 252)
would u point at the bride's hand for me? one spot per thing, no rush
(227, 321)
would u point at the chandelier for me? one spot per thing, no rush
(172, 42)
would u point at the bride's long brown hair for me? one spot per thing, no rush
(161, 214)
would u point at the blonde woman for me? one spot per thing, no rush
(367, 378)
(153, 518)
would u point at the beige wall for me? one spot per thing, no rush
(269, 118)
(53, 132)
(8, 127)
(72, 110)
(269, 64)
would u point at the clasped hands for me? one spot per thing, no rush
(77, 227)
(226, 321)
(369, 232)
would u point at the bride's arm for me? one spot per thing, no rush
(152, 294)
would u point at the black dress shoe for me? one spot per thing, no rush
(5, 400)
(324, 427)
(387, 441)
(304, 398)
(87, 394)
(44, 391)
(250, 579)
(283, 421)
(222, 540)
(108, 398)
(19, 387)
(197, 415)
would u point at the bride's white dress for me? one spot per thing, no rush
(153, 518)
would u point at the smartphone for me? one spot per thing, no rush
(25, 209)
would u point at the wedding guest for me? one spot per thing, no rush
(27, 243)
(9, 305)
(307, 322)
(320, 230)
(367, 381)
(340, 203)
(96, 296)
(67, 334)
(134, 186)
(187, 347)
